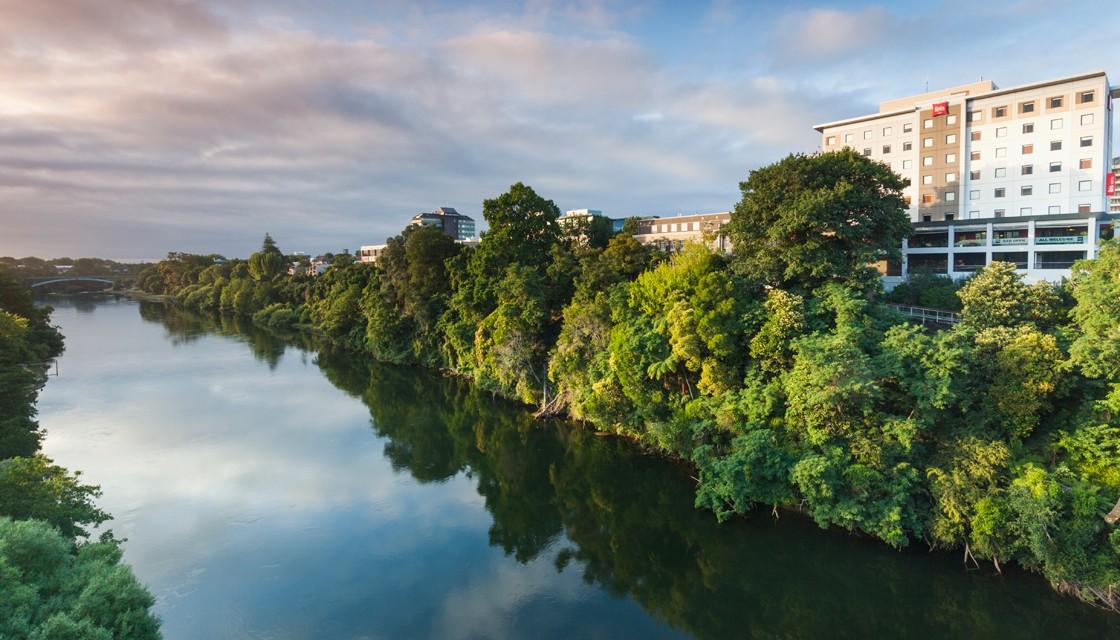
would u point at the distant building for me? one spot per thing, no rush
(318, 266)
(671, 233)
(1016, 175)
(371, 253)
(451, 222)
(581, 218)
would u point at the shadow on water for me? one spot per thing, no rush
(626, 521)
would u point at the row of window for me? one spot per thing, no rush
(1028, 106)
(1001, 152)
(1028, 190)
(1001, 132)
(1083, 207)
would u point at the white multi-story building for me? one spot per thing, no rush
(1015, 174)
(671, 233)
(371, 253)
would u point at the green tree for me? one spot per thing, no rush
(997, 297)
(267, 263)
(811, 219)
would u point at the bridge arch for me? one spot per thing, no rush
(42, 282)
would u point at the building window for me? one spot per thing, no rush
(867, 151)
(1085, 97)
(927, 218)
(927, 124)
(1087, 118)
(927, 161)
(950, 119)
(975, 213)
(999, 112)
(927, 198)
(1085, 185)
(1053, 209)
(1055, 167)
(907, 164)
(1054, 103)
(848, 137)
(1085, 163)
(907, 128)
(974, 174)
(950, 158)
(1001, 132)
(1000, 192)
(974, 194)
(950, 196)
(1055, 145)
(906, 200)
(1026, 107)
(886, 148)
(950, 216)
(999, 213)
(927, 143)
(906, 146)
(1028, 127)
(951, 138)
(1001, 152)
(975, 135)
(1086, 141)
(831, 140)
(974, 156)
(867, 134)
(1025, 211)
(1056, 123)
(888, 131)
(1083, 207)
(927, 179)
(1026, 190)
(1028, 149)
(1055, 187)
(975, 116)
(1027, 170)
(950, 177)
(1001, 172)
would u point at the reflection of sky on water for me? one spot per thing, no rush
(257, 501)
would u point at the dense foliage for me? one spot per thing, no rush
(54, 582)
(776, 371)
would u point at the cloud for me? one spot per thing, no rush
(820, 34)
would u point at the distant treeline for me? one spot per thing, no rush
(775, 371)
(40, 268)
(54, 581)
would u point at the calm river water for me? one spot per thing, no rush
(267, 491)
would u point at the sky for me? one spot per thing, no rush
(130, 128)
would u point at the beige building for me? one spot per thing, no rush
(1015, 174)
(669, 234)
(371, 253)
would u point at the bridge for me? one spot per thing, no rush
(35, 283)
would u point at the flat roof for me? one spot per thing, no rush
(949, 92)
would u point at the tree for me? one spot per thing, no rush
(811, 219)
(267, 263)
(33, 487)
(1096, 288)
(997, 297)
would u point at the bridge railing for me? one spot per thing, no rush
(925, 314)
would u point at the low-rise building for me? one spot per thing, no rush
(671, 233)
(371, 253)
(319, 265)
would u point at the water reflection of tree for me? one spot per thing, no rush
(627, 522)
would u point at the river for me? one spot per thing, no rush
(269, 491)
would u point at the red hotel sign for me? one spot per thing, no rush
(1110, 184)
(940, 108)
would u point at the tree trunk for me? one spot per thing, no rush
(1113, 516)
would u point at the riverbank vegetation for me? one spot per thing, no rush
(774, 370)
(55, 582)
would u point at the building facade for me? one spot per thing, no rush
(454, 224)
(1016, 174)
(371, 253)
(1113, 189)
(671, 233)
